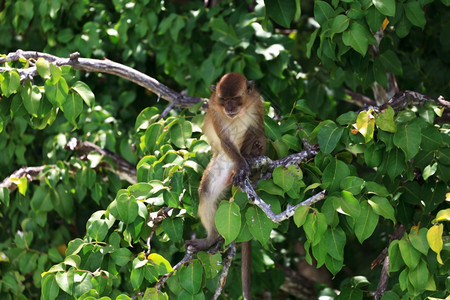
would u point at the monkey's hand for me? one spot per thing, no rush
(242, 171)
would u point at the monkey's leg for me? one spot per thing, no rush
(216, 179)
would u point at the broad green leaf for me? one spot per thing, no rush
(259, 224)
(356, 37)
(351, 294)
(385, 120)
(366, 223)
(333, 175)
(409, 254)
(82, 283)
(408, 139)
(10, 83)
(190, 277)
(173, 228)
(228, 220)
(376, 188)
(282, 12)
(43, 67)
(365, 123)
(161, 265)
(121, 256)
(41, 200)
(333, 265)
(56, 72)
(323, 11)
(180, 132)
(152, 135)
(85, 92)
(434, 238)
(415, 13)
(352, 184)
(50, 288)
(395, 259)
(382, 207)
(72, 107)
(137, 277)
(56, 92)
(273, 131)
(391, 62)
(300, 215)
(31, 97)
(443, 155)
(310, 44)
(419, 276)
(127, 208)
(65, 280)
(429, 171)
(315, 227)
(394, 163)
(348, 204)
(146, 117)
(329, 136)
(419, 240)
(74, 246)
(335, 240)
(340, 24)
(287, 177)
(223, 32)
(269, 187)
(385, 7)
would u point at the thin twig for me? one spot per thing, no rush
(226, 266)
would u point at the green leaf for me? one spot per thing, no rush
(376, 188)
(173, 228)
(323, 11)
(50, 289)
(333, 265)
(43, 67)
(315, 227)
(366, 223)
(391, 62)
(385, 7)
(259, 224)
(335, 240)
(180, 132)
(352, 184)
(395, 259)
(137, 277)
(282, 12)
(228, 220)
(335, 171)
(65, 280)
(191, 277)
(300, 215)
(146, 117)
(127, 208)
(329, 136)
(419, 240)
(85, 93)
(72, 107)
(340, 24)
(434, 238)
(31, 97)
(365, 124)
(56, 92)
(348, 204)
(415, 13)
(356, 37)
(223, 32)
(284, 178)
(382, 207)
(121, 256)
(408, 139)
(385, 120)
(273, 131)
(409, 254)
(419, 276)
(10, 83)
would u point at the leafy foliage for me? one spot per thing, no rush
(80, 231)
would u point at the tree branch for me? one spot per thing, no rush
(101, 66)
(226, 266)
(30, 173)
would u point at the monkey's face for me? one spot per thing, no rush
(231, 106)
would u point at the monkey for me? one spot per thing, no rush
(234, 127)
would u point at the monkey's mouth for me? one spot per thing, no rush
(231, 114)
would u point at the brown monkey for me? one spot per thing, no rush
(234, 127)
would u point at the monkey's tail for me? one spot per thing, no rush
(246, 267)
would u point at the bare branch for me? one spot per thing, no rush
(102, 66)
(402, 99)
(30, 173)
(226, 267)
(123, 168)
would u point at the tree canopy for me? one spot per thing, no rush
(101, 148)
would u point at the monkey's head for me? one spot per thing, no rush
(232, 92)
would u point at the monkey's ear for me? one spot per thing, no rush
(212, 88)
(250, 85)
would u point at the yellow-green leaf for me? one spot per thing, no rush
(443, 215)
(434, 238)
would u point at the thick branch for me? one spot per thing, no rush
(102, 66)
(30, 173)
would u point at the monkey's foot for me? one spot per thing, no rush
(239, 176)
(201, 244)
